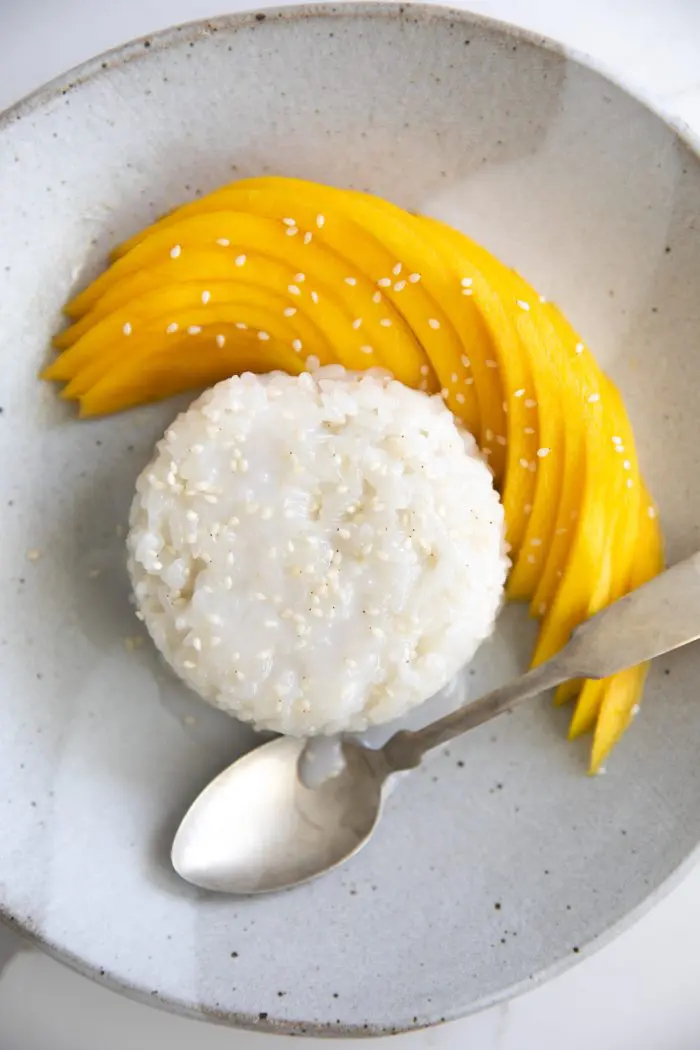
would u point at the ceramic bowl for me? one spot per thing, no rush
(500, 862)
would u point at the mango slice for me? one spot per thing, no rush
(280, 273)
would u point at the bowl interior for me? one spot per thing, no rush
(500, 859)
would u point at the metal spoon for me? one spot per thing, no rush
(256, 828)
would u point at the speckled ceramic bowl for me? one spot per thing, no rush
(500, 860)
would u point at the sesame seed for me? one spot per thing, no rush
(651, 511)
(366, 350)
(300, 277)
(223, 241)
(579, 348)
(500, 439)
(293, 289)
(127, 329)
(424, 370)
(320, 221)
(542, 452)
(297, 345)
(626, 465)
(175, 251)
(630, 483)
(314, 297)
(194, 329)
(352, 281)
(289, 311)
(356, 323)
(524, 463)
(396, 270)
(189, 664)
(220, 340)
(384, 282)
(616, 440)
(241, 324)
(307, 237)
(172, 328)
(469, 381)
(414, 278)
(460, 399)
(197, 644)
(206, 296)
(542, 608)
(522, 304)
(466, 282)
(433, 322)
(536, 542)
(531, 559)
(292, 231)
(33, 554)
(377, 297)
(592, 398)
(520, 393)
(467, 291)
(454, 377)
(263, 336)
(465, 361)
(240, 260)
(530, 403)
(444, 393)
(385, 322)
(399, 286)
(289, 222)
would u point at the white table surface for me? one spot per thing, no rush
(642, 991)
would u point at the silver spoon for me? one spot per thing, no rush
(256, 828)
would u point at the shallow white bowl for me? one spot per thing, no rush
(500, 861)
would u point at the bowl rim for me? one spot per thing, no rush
(199, 30)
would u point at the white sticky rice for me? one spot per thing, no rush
(317, 553)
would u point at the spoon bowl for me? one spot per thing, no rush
(256, 828)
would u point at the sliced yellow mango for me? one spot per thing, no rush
(267, 273)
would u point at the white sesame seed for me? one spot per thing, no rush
(292, 231)
(366, 350)
(524, 463)
(454, 377)
(520, 393)
(206, 296)
(634, 710)
(522, 304)
(320, 221)
(530, 403)
(223, 241)
(467, 291)
(536, 542)
(263, 336)
(377, 297)
(500, 439)
(424, 370)
(313, 296)
(172, 328)
(399, 286)
(356, 323)
(127, 329)
(289, 222)
(579, 348)
(352, 281)
(242, 326)
(444, 393)
(175, 251)
(197, 644)
(396, 270)
(542, 452)
(460, 399)
(33, 554)
(630, 483)
(307, 237)
(616, 440)
(433, 322)
(592, 398)
(220, 340)
(194, 329)
(297, 345)
(289, 311)
(189, 664)
(651, 511)
(384, 282)
(414, 278)
(466, 282)
(240, 260)
(531, 559)
(469, 381)
(293, 289)
(385, 322)
(626, 465)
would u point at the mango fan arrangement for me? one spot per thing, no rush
(269, 273)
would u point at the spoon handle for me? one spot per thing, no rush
(662, 615)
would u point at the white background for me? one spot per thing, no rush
(641, 992)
